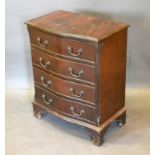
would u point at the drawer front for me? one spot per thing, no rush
(67, 107)
(65, 68)
(63, 87)
(67, 47)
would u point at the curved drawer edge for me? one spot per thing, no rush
(70, 119)
(61, 56)
(64, 106)
(65, 77)
(84, 102)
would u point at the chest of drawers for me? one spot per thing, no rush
(79, 67)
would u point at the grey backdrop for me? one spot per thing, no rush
(133, 12)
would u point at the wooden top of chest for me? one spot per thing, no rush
(76, 25)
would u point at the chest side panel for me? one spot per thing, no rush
(112, 73)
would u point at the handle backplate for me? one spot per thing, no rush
(42, 43)
(70, 51)
(45, 100)
(76, 114)
(81, 93)
(44, 65)
(77, 75)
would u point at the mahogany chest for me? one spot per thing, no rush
(79, 67)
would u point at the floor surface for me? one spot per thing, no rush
(27, 135)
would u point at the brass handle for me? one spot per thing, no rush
(70, 51)
(44, 99)
(42, 43)
(76, 95)
(78, 115)
(45, 84)
(44, 65)
(74, 74)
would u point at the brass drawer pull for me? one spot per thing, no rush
(42, 43)
(75, 114)
(45, 84)
(75, 75)
(76, 95)
(44, 99)
(44, 65)
(70, 51)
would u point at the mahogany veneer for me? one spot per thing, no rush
(79, 66)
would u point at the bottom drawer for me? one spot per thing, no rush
(65, 106)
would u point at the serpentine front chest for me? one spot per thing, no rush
(79, 67)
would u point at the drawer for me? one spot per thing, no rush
(64, 68)
(64, 106)
(63, 87)
(66, 47)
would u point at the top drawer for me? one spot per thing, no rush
(65, 47)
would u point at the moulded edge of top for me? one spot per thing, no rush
(73, 35)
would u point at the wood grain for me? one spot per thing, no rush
(60, 67)
(63, 106)
(57, 84)
(60, 45)
(112, 71)
(69, 24)
(99, 70)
